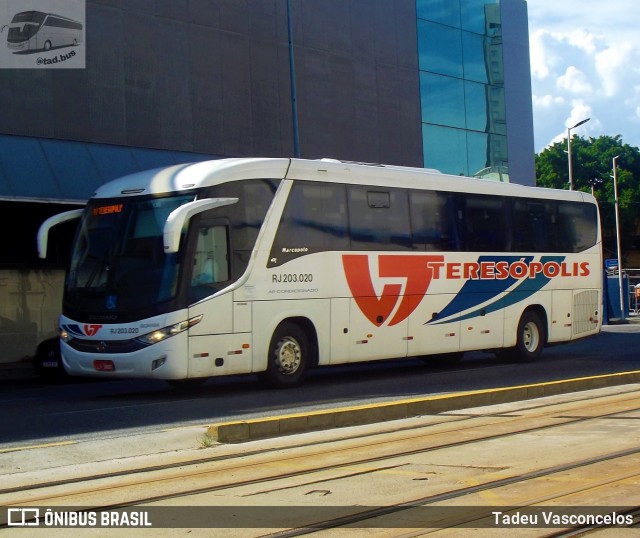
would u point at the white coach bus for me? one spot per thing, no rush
(36, 30)
(275, 266)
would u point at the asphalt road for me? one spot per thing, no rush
(36, 411)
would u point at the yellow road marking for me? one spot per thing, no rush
(33, 447)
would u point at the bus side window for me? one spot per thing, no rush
(431, 225)
(210, 261)
(577, 224)
(314, 220)
(532, 221)
(247, 216)
(379, 219)
(481, 219)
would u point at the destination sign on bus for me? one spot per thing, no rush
(106, 209)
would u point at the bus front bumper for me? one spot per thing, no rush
(158, 361)
(17, 46)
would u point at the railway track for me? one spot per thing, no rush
(442, 474)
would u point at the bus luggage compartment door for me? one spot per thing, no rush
(376, 334)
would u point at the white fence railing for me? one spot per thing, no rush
(634, 291)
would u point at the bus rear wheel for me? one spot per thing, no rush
(530, 339)
(289, 356)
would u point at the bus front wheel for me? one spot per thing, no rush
(289, 356)
(530, 339)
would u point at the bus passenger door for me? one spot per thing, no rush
(215, 348)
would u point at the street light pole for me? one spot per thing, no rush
(569, 150)
(595, 182)
(617, 208)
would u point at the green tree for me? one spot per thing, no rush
(592, 163)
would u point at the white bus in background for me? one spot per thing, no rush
(36, 30)
(276, 266)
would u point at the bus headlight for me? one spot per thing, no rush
(65, 336)
(167, 332)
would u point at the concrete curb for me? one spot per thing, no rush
(249, 430)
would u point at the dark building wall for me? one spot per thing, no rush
(212, 76)
(357, 65)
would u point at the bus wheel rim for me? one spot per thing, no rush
(530, 336)
(288, 356)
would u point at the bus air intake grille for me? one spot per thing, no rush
(585, 306)
(105, 347)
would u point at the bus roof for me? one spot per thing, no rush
(20, 17)
(186, 177)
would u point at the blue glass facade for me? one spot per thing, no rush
(69, 171)
(464, 127)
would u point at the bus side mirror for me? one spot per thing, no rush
(177, 218)
(43, 231)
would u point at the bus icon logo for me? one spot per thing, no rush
(92, 329)
(23, 517)
(37, 30)
(416, 270)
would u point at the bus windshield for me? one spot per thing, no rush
(118, 262)
(24, 26)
